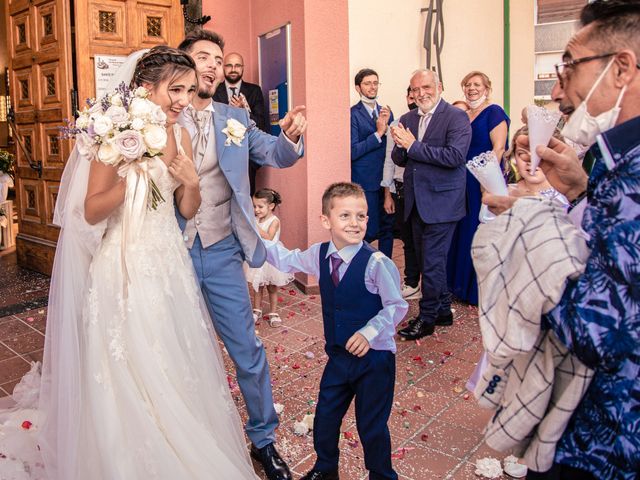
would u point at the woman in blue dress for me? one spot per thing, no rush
(490, 126)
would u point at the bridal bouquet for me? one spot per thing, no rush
(124, 129)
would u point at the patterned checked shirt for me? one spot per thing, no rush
(598, 317)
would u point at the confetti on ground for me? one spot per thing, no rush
(400, 454)
(488, 467)
(458, 389)
(26, 424)
(30, 319)
(309, 355)
(279, 408)
(424, 437)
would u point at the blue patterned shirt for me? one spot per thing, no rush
(598, 317)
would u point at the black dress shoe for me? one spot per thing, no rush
(418, 327)
(274, 466)
(317, 475)
(444, 319)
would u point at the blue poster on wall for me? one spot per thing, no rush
(274, 50)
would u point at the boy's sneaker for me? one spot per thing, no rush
(409, 292)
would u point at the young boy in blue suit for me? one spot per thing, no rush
(361, 306)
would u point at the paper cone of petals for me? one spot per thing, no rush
(486, 168)
(541, 123)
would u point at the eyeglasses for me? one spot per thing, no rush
(417, 90)
(371, 84)
(235, 66)
(563, 67)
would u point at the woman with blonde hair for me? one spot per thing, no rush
(490, 126)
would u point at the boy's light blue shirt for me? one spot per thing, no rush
(381, 278)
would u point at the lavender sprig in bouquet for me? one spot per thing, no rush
(123, 129)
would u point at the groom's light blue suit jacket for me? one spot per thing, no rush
(263, 149)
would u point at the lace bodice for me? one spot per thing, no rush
(159, 222)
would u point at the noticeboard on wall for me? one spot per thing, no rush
(274, 59)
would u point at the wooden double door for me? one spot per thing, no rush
(52, 46)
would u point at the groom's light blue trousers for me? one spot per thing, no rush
(221, 277)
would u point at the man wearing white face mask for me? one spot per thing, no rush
(369, 124)
(598, 318)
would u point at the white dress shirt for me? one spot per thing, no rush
(229, 91)
(370, 111)
(381, 278)
(390, 170)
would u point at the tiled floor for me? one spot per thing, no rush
(435, 424)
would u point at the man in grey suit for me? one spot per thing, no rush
(224, 233)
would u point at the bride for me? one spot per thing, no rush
(133, 385)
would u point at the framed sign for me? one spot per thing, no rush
(105, 67)
(274, 60)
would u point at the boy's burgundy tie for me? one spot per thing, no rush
(336, 261)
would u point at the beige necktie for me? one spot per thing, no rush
(424, 121)
(200, 118)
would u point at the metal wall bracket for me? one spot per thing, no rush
(195, 21)
(35, 165)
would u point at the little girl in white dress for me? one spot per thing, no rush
(267, 276)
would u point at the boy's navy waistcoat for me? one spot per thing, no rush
(348, 307)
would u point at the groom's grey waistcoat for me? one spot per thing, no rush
(233, 163)
(212, 221)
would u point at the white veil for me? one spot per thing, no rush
(61, 390)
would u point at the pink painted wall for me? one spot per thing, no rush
(320, 62)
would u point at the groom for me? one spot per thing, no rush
(223, 232)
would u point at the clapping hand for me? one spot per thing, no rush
(183, 170)
(383, 120)
(239, 101)
(402, 136)
(357, 345)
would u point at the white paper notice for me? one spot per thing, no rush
(106, 67)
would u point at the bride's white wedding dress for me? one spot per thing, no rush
(154, 399)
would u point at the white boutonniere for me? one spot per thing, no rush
(235, 132)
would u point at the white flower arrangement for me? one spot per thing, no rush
(123, 128)
(234, 131)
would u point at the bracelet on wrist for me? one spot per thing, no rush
(577, 200)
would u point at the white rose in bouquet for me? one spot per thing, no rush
(102, 125)
(155, 137)
(141, 92)
(82, 121)
(157, 115)
(116, 99)
(108, 153)
(137, 124)
(95, 109)
(86, 145)
(140, 107)
(117, 114)
(130, 143)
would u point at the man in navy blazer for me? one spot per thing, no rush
(369, 123)
(432, 143)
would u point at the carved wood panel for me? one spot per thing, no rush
(39, 43)
(119, 27)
